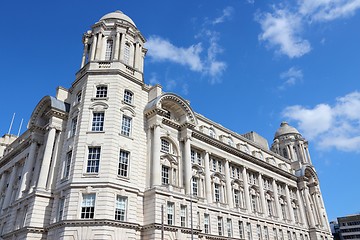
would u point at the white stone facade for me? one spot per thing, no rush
(114, 158)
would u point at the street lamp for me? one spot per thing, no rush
(199, 171)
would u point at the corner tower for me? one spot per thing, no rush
(114, 42)
(289, 143)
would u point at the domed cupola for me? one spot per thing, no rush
(114, 42)
(289, 143)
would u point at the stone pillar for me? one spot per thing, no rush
(122, 46)
(262, 196)
(9, 189)
(93, 48)
(208, 194)
(117, 46)
(276, 196)
(246, 190)
(99, 46)
(310, 214)
(45, 165)
(156, 165)
(188, 165)
(228, 185)
(301, 206)
(28, 166)
(288, 200)
(85, 52)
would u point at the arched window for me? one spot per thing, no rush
(285, 154)
(128, 96)
(109, 49)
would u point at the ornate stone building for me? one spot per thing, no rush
(114, 158)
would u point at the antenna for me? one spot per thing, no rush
(12, 121)
(20, 126)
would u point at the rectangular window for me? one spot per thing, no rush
(206, 223)
(93, 160)
(165, 145)
(78, 97)
(183, 215)
(281, 234)
(289, 235)
(220, 226)
(170, 213)
(98, 122)
(73, 126)
(61, 205)
(266, 233)
(128, 97)
(67, 165)
(192, 156)
(127, 53)
(258, 227)
(214, 165)
(101, 92)
(270, 208)
(237, 198)
(275, 234)
(296, 216)
(219, 166)
(123, 163)
(283, 211)
(88, 206)
(165, 175)
(108, 51)
(241, 229)
(253, 203)
(248, 231)
(229, 227)
(120, 209)
(126, 125)
(194, 186)
(217, 192)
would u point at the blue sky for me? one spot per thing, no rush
(246, 64)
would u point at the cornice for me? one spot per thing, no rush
(218, 144)
(94, 222)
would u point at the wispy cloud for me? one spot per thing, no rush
(336, 126)
(291, 77)
(199, 57)
(282, 28)
(163, 50)
(226, 14)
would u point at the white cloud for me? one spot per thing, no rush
(336, 126)
(283, 26)
(163, 50)
(282, 29)
(154, 79)
(226, 14)
(291, 77)
(170, 85)
(328, 10)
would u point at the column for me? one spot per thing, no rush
(301, 206)
(10, 187)
(122, 46)
(208, 194)
(99, 47)
(246, 190)
(93, 48)
(156, 165)
(228, 184)
(276, 196)
(316, 208)
(83, 59)
(117, 45)
(291, 212)
(2, 180)
(306, 195)
(188, 165)
(28, 165)
(45, 165)
(262, 196)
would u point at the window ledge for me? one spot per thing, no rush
(95, 132)
(123, 178)
(99, 98)
(129, 137)
(129, 104)
(89, 175)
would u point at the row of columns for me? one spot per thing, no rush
(118, 48)
(208, 193)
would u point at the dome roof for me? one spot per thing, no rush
(285, 128)
(118, 15)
